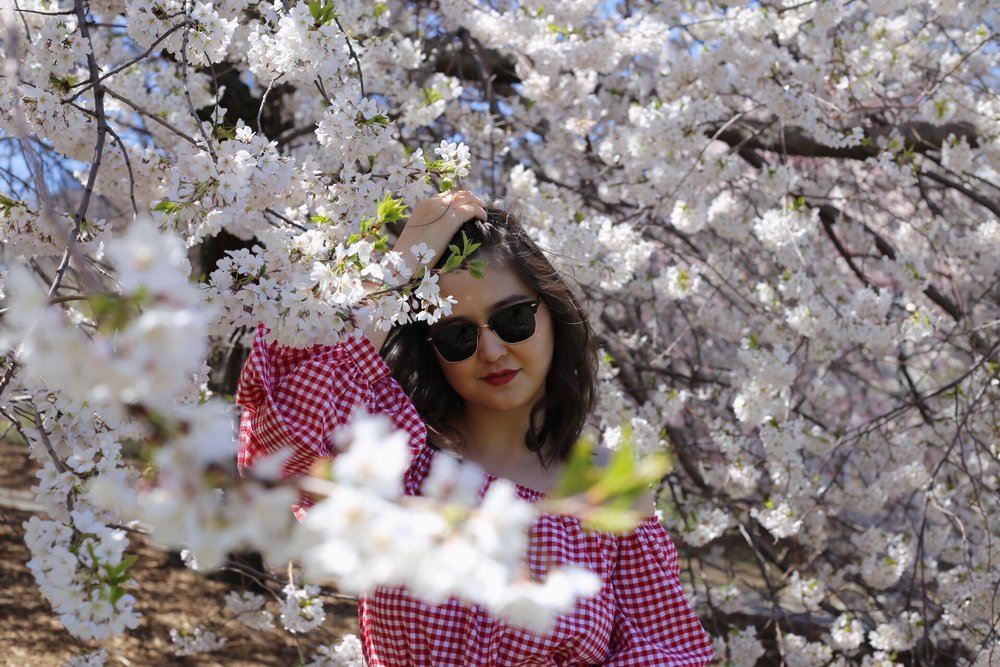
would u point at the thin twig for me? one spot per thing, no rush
(180, 133)
(322, 91)
(43, 434)
(263, 99)
(271, 211)
(487, 79)
(90, 84)
(128, 166)
(187, 90)
(67, 298)
(102, 128)
(27, 31)
(66, 12)
(8, 374)
(350, 48)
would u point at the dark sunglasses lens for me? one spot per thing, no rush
(457, 342)
(514, 324)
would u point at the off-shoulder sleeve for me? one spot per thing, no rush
(654, 623)
(295, 398)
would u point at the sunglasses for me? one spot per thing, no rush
(513, 324)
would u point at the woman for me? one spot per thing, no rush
(506, 381)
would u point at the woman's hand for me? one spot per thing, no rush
(433, 221)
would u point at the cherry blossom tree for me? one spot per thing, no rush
(786, 216)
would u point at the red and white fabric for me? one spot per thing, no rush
(295, 398)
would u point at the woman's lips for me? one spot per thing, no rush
(501, 378)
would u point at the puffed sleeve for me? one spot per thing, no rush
(295, 398)
(654, 623)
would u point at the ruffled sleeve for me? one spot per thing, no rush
(295, 398)
(654, 623)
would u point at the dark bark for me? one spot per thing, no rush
(917, 136)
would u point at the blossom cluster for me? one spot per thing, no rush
(364, 534)
(80, 568)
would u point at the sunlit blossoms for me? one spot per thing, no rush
(83, 573)
(302, 610)
(363, 534)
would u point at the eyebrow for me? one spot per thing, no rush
(499, 305)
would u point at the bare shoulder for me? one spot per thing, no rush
(645, 504)
(602, 456)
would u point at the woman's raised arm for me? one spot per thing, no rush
(433, 222)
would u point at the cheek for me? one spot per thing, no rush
(546, 341)
(452, 374)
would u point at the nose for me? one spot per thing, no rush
(491, 348)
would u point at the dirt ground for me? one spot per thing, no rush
(168, 596)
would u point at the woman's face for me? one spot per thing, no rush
(499, 376)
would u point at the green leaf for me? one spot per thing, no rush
(578, 472)
(223, 133)
(6, 204)
(467, 246)
(451, 264)
(167, 206)
(379, 9)
(609, 494)
(63, 84)
(390, 209)
(653, 467)
(446, 184)
(611, 520)
(322, 13)
(111, 311)
(430, 95)
(477, 268)
(319, 219)
(118, 573)
(618, 476)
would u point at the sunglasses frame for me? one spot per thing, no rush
(532, 304)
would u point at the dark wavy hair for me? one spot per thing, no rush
(571, 385)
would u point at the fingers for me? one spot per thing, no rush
(434, 220)
(448, 207)
(469, 202)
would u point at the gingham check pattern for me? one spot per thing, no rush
(294, 398)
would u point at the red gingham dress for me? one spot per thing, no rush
(295, 398)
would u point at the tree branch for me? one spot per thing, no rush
(102, 128)
(992, 205)
(919, 136)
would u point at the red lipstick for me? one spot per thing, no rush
(500, 378)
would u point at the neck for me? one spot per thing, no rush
(494, 440)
